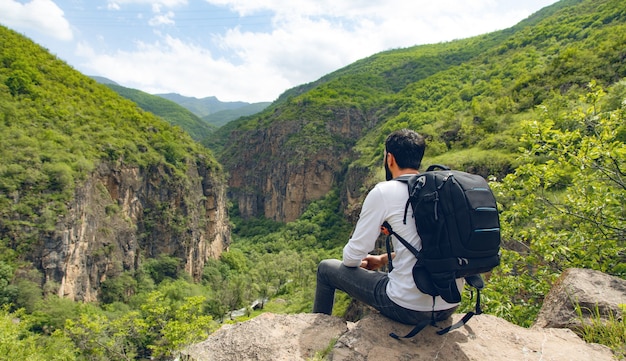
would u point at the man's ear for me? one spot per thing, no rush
(391, 160)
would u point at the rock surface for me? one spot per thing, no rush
(279, 167)
(484, 337)
(270, 337)
(597, 294)
(298, 337)
(122, 214)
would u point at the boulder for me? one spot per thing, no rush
(484, 338)
(595, 293)
(271, 337)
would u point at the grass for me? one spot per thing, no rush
(609, 331)
(323, 354)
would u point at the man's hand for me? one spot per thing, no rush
(374, 262)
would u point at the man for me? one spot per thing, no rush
(394, 294)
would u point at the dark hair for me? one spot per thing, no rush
(407, 147)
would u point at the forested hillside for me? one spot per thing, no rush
(467, 97)
(539, 109)
(168, 110)
(98, 201)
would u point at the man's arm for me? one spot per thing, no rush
(366, 231)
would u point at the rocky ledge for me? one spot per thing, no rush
(486, 337)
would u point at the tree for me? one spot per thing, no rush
(565, 206)
(119, 289)
(17, 342)
(172, 325)
(101, 338)
(162, 268)
(7, 290)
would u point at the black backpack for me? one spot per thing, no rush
(457, 219)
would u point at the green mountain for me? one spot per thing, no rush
(210, 109)
(79, 164)
(468, 97)
(222, 117)
(202, 106)
(168, 110)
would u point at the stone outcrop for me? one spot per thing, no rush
(271, 337)
(593, 293)
(484, 337)
(277, 170)
(297, 337)
(121, 215)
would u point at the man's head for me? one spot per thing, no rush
(407, 148)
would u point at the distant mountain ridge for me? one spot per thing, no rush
(224, 116)
(210, 109)
(202, 106)
(103, 80)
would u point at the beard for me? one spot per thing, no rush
(388, 175)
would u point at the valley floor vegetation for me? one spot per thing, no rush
(562, 207)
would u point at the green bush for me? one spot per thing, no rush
(555, 211)
(162, 268)
(19, 343)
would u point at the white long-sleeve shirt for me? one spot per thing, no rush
(386, 202)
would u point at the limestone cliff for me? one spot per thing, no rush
(123, 214)
(277, 169)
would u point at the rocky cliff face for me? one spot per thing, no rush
(124, 214)
(275, 171)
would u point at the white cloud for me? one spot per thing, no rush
(173, 66)
(162, 19)
(43, 16)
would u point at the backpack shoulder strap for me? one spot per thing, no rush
(386, 227)
(405, 179)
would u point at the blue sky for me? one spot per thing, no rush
(243, 50)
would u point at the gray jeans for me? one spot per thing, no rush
(368, 287)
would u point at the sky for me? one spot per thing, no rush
(243, 50)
